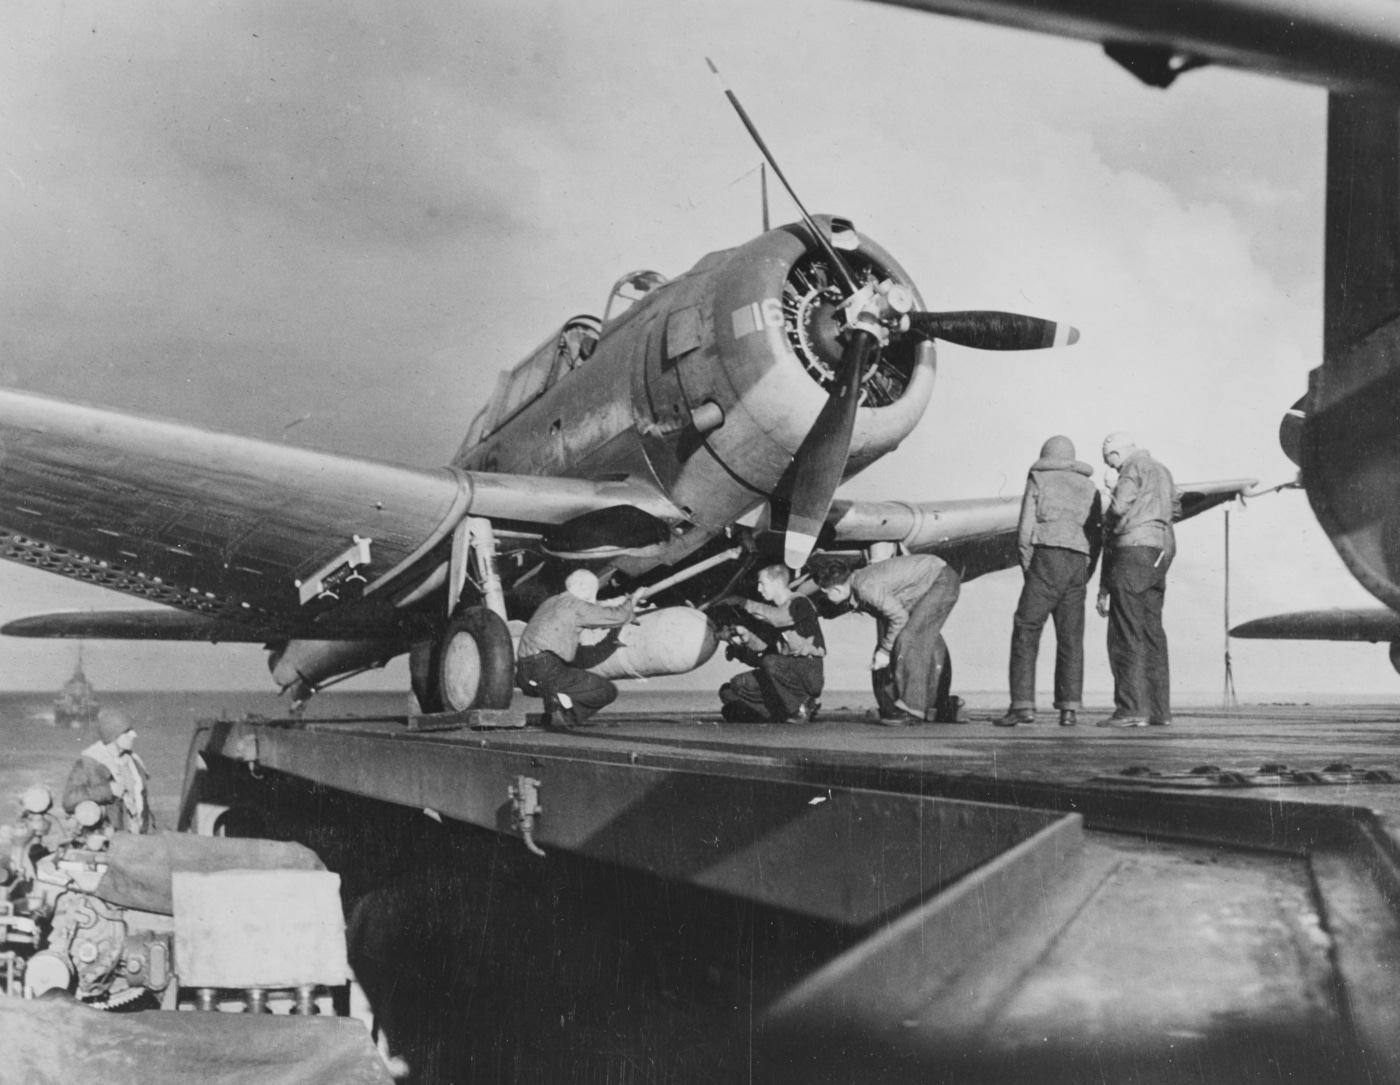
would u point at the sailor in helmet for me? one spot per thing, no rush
(111, 775)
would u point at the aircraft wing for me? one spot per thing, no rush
(147, 623)
(224, 527)
(1367, 623)
(1343, 44)
(978, 535)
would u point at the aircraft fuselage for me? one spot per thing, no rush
(706, 387)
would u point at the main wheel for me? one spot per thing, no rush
(475, 662)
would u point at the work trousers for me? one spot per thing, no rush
(545, 675)
(1137, 643)
(920, 656)
(1054, 585)
(774, 691)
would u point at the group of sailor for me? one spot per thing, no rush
(1063, 529)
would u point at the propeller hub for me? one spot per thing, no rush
(879, 308)
(897, 297)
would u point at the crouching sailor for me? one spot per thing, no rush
(550, 643)
(787, 678)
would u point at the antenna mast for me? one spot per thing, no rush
(1229, 700)
(763, 188)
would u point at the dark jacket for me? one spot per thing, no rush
(1061, 508)
(795, 622)
(90, 779)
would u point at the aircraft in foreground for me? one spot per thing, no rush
(1372, 624)
(701, 426)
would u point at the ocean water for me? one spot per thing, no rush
(34, 751)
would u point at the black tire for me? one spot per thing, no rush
(240, 821)
(475, 662)
(945, 680)
(422, 675)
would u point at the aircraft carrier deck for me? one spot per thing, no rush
(1218, 900)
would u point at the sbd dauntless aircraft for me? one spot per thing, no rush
(750, 386)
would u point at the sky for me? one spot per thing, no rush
(332, 224)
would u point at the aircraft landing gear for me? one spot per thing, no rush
(471, 665)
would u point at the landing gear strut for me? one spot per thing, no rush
(471, 663)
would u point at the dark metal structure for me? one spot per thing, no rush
(845, 903)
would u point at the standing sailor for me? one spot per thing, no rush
(1059, 537)
(1139, 544)
(110, 774)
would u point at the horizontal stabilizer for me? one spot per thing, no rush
(147, 624)
(1370, 624)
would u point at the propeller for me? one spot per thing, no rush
(821, 458)
(987, 329)
(870, 313)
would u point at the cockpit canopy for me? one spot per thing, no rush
(515, 388)
(561, 354)
(629, 290)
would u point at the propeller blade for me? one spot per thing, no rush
(825, 242)
(987, 329)
(821, 459)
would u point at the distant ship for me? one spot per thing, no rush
(77, 705)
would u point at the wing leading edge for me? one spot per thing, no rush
(1343, 44)
(145, 624)
(1373, 624)
(978, 535)
(224, 526)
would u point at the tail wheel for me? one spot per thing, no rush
(475, 662)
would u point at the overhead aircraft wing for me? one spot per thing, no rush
(225, 527)
(977, 535)
(147, 623)
(1367, 623)
(1343, 44)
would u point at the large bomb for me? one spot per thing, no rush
(672, 640)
